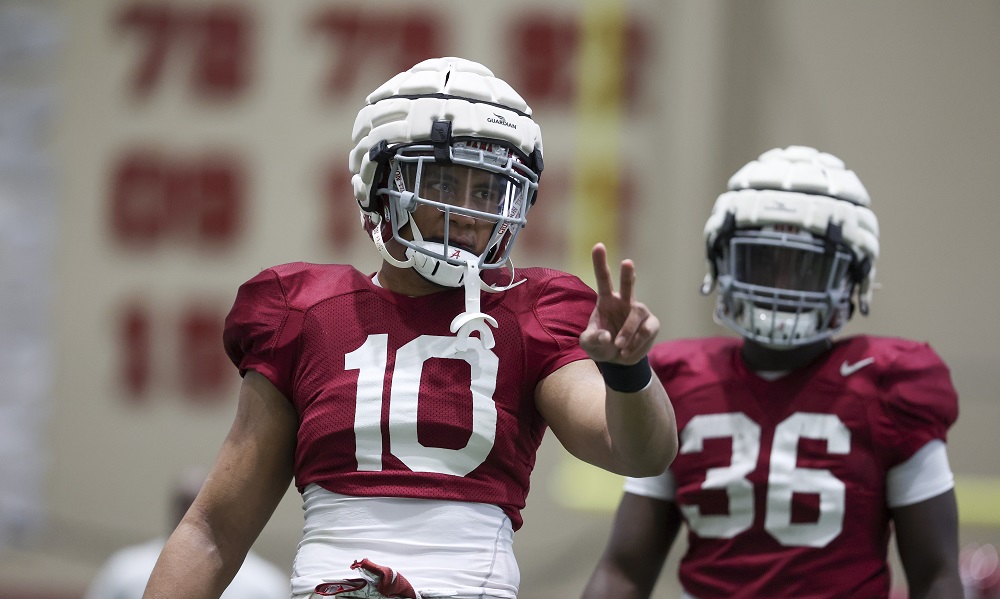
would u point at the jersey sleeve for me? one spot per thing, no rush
(261, 330)
(920, 402)
(562, 311)
(925, 475)
(658, 487)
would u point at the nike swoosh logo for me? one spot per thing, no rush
(849, 369)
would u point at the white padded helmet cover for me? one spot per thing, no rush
(757, 208)
(802, 169)
(478, 105)
(806, 188)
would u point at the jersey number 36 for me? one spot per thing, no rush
(784, 477)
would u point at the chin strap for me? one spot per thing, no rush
(380, 244)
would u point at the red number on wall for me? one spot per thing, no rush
(218, 200)
(189, 360)
(134, 351)
(155, 198)
(544, 54)
(543, 57)
(386, 42)
(155, 24)
(219, 40)
(224, 53)
(204, 369)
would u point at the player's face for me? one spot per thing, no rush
(784, 268)
(466, 189)
(795, 263)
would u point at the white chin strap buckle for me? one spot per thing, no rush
(473, 319)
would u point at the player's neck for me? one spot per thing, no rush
(760, 358)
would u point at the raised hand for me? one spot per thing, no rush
(621, 329)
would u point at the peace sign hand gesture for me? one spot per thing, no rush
(621, 329)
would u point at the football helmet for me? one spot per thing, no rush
(790, 245)
(446, 123)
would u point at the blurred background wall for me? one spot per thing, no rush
(154, 154)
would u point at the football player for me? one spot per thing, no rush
(409, 403)
(800, 454)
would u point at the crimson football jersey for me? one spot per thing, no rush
(782, 483)
(387, 404)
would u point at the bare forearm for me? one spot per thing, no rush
(628, 433)
(191, 566)
(250, 475)
(642, 429)
(643, 531)
(612, 582)
(927, 539)
(942, 585)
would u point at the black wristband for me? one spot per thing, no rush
(626, 379)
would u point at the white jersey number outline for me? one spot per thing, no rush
(371, 360)
(784, 477)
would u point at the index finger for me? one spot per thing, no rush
(599, 255)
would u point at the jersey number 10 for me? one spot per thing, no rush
(372, 359)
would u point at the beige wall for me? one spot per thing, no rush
(905, 92)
